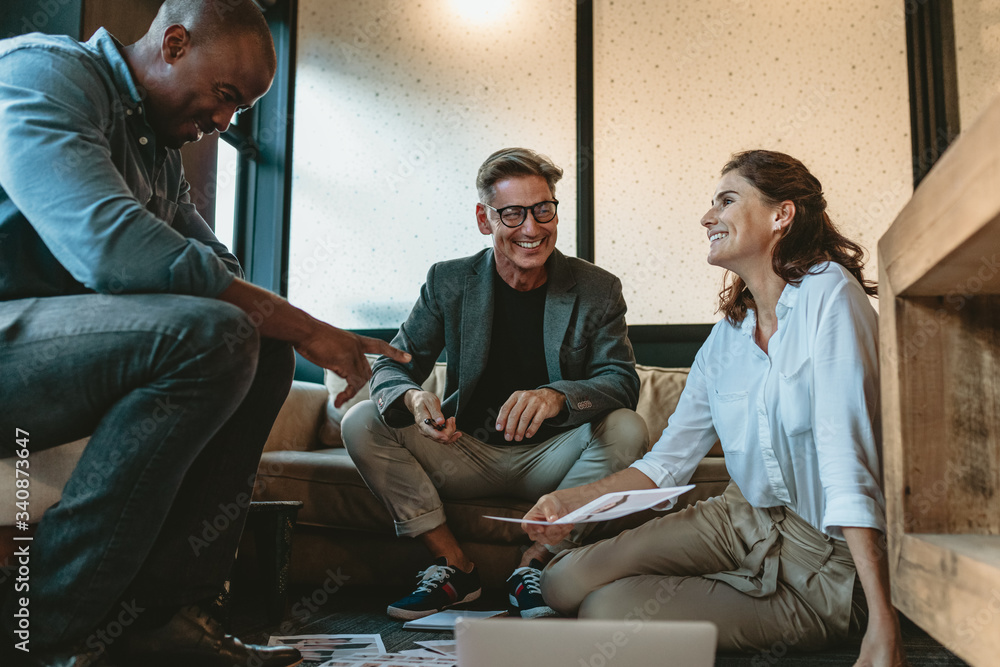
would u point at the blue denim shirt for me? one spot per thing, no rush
(89, 200)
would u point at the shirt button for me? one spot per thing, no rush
(128, 112)
(143, 140)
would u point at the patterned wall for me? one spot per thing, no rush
(977, 46)
(682, 85)
(397, 105)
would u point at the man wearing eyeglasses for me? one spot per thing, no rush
(540, 392)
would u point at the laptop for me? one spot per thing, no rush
(502, 642)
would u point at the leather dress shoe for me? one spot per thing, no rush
(192, 638)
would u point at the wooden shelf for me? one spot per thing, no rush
(949, 232)
(939, 294)
(950, 586)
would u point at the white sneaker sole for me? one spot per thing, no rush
(538, 612)
(410, 614)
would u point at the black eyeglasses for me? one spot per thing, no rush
(514, 216)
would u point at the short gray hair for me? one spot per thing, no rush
(511, 162)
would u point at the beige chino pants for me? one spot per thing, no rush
(768, 580)
(410, 473)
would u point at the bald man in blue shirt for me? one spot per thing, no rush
(122, 317)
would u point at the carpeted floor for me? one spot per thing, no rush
(359, 611)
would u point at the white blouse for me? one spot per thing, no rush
(798, 425)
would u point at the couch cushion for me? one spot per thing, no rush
(660, 389)
(301, 423)
(50, 470)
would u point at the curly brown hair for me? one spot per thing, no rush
(809, 240)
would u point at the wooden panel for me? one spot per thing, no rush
(950, 231)
(127, 21)
(891, 403)
(950, 585)
(950, 353)
(940, 374)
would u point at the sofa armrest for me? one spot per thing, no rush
(301, 424)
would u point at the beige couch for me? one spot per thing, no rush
(343, 530)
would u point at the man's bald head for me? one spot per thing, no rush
(201, 62)
(213, 23)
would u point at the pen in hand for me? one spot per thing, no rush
(434, 424)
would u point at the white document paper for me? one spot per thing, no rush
(445, 620)
(424, 653)
(612, 506)
(392, 660)
(326, 647)
(445, 646)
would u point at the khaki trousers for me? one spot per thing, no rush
(410, 473)
(768, 580)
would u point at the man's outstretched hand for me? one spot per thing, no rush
(327, 346)
(344, 353)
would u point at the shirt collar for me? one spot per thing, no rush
(789, 297)
(749, 323)
(110, 48)
(786, 302)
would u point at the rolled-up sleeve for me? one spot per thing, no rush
(845, 404)
(57, 168)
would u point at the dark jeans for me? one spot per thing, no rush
(178, 394)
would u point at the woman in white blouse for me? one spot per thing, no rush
(788, 383)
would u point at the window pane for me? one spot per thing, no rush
(225, 196)
(396, 106)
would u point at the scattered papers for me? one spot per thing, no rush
(420, 653)
(392, 660)
(446, 646)
(445, 620)
(612, 506)
(315, 648)
(369, 651)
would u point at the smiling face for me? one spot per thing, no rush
(742, 228)
(521, 252)
(197, 89)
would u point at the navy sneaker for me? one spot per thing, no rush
(525, 593)
(441, 586)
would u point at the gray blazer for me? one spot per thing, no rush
(587, 350)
